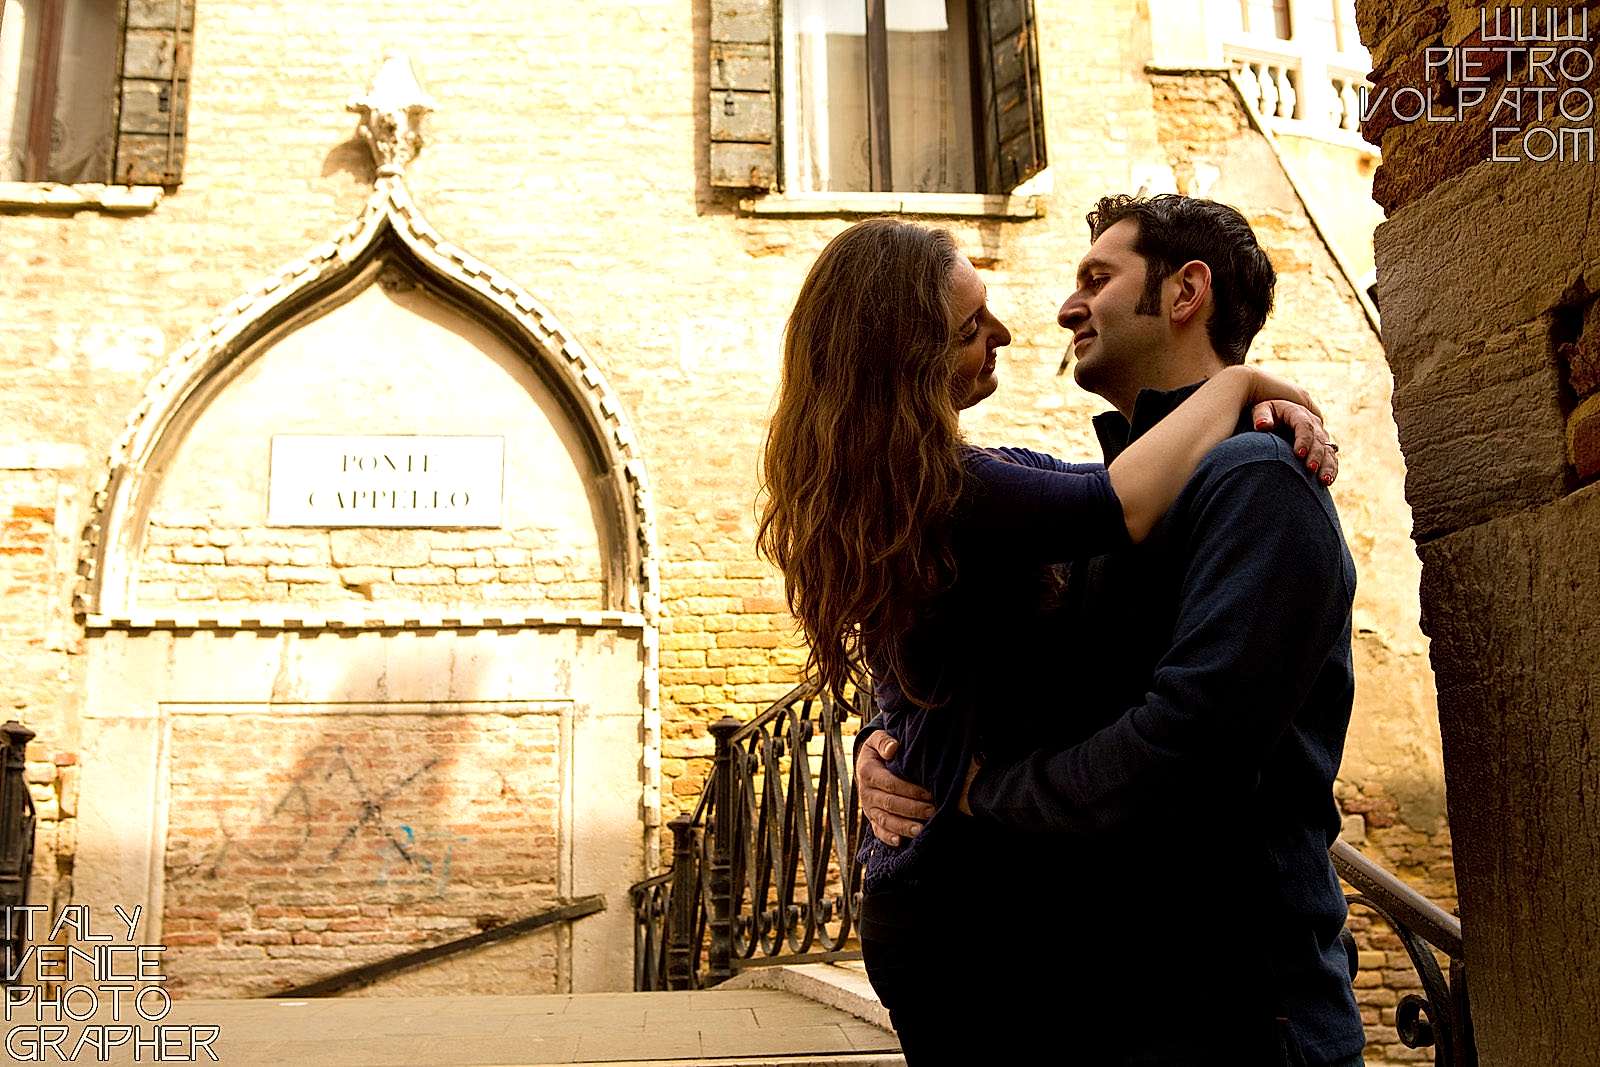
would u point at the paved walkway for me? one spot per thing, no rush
(744, 1027)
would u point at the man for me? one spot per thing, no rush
(1208, 677)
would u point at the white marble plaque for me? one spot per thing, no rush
(325, 480)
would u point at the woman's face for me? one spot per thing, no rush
(977, 336)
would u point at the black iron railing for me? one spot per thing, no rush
(1441, 1018)
(764, 872)
(764, 869)
(17, 820)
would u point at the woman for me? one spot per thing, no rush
(912, 554)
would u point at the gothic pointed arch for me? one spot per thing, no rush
(389, 233)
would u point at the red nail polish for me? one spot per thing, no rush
(1312, 466)
(1300, 452)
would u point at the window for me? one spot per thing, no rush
(907, 96)
(1269, 18)
(1329, 25)
(1349, 34)
(86, 97)
(840, 68)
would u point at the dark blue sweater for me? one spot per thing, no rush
(1219, 650)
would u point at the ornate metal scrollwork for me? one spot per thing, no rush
(1440, 1018)
(772, 847)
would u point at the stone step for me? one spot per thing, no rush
(730, 1028)
(873, 1059)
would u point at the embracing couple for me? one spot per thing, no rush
(1112, 697)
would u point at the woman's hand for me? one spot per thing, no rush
(895, 808)
(1311, 440)
(1276, 403)
(1265, 387)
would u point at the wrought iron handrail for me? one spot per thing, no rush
(18, 821)
(367, 973)
(1441, 1018)
(1437, 926)
(764, 868)
(764, 871)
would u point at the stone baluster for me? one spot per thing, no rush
(1333, 102)
(1249, 85)
(1350, 97)
(1269, 91)
(1286, 93)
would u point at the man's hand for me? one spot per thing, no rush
(895, 808)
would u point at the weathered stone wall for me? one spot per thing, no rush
(569, 152)
(453, 778)
(1485, 271)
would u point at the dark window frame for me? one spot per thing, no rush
(747, 138)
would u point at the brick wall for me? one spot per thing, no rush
(1576, 336)
(568, 151)
(37, 646)
(201, 565)
(304, 846)
(1422, 858)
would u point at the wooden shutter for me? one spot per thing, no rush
(744, 130)
(152, 122)
(1009, 121)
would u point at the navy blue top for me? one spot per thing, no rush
(1019, 511)
(1219, 649)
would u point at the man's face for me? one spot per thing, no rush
(1114, 340)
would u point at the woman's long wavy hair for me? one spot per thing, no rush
(862, 470)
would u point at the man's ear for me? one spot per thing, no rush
(1193, 292)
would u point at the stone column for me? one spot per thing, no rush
(1487, 275)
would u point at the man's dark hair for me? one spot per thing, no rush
(1176, 229)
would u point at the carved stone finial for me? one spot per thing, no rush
(391, 115)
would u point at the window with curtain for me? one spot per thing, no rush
(1327, 25)
(830, 70)
(1345, 21)
(901, 96)
(1318, 24)
(75, 140)
(91, 91)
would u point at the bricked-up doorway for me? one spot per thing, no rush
(312, 745)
